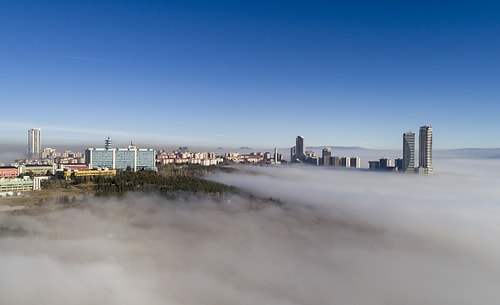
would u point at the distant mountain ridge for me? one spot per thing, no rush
(336, 147)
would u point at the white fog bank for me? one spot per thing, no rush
(338, 237)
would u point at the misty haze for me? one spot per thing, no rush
(128, 129)
(332, 237)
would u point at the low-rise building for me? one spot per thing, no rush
(9, 171)
(69, 174)
(16, 184)
(37, 169)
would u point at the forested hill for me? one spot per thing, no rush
(167, 179)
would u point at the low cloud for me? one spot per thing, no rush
(336, 237)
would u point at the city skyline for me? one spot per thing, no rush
(241, 73)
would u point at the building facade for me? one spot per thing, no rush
(37, 169)
(9, 172)
(345, 162)
(326, 156)
(16, 185)
(300, 148)
(425, 149)
(130, 158)
(408, 152)
(277, 156)
(355, 162)
(384, 163)
(34, 143)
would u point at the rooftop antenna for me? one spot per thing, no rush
(107, 143)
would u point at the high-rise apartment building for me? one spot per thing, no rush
(276, 156)
(326, 156)
(355, 162)
(345, 162)
(425, 149)
(408, 151)
(300, 148)
(385, 163)
(34, 143)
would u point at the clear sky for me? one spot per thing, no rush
(250, 73)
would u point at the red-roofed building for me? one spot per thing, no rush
(9, 172)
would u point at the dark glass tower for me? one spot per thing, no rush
(408, 151)
(300, 148)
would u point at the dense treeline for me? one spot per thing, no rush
(155, 182)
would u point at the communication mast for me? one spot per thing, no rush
(107, 143)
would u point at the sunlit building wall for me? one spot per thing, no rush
(408, 151)
(121, 158)
(34, 143)
(425, 149)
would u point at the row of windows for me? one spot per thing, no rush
(123, 159)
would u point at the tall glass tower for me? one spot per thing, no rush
(425, 149)
(408, 151)
(34, 143)
(300, 148)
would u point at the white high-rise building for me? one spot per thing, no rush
(326, 156)
(34, 143)
(425, 149)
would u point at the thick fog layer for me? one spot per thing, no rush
(331, 237)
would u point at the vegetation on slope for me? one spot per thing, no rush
(167, 179)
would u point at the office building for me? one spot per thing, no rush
(15, 185)
(385, 163)
(425, 149)
(34, 143)
(345, 162)
(326, 156)
(131, 158)
(399, 164)
(276, 156)
(408, 152)
(355, 162)
(374, 165)
(300, 148)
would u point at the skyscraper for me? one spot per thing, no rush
(300, 148)
(277, 156)
(425, 149)
(326, 156)
(355, 162)
(408, 151)
(34, 143)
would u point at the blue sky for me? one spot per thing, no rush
(250, 73)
